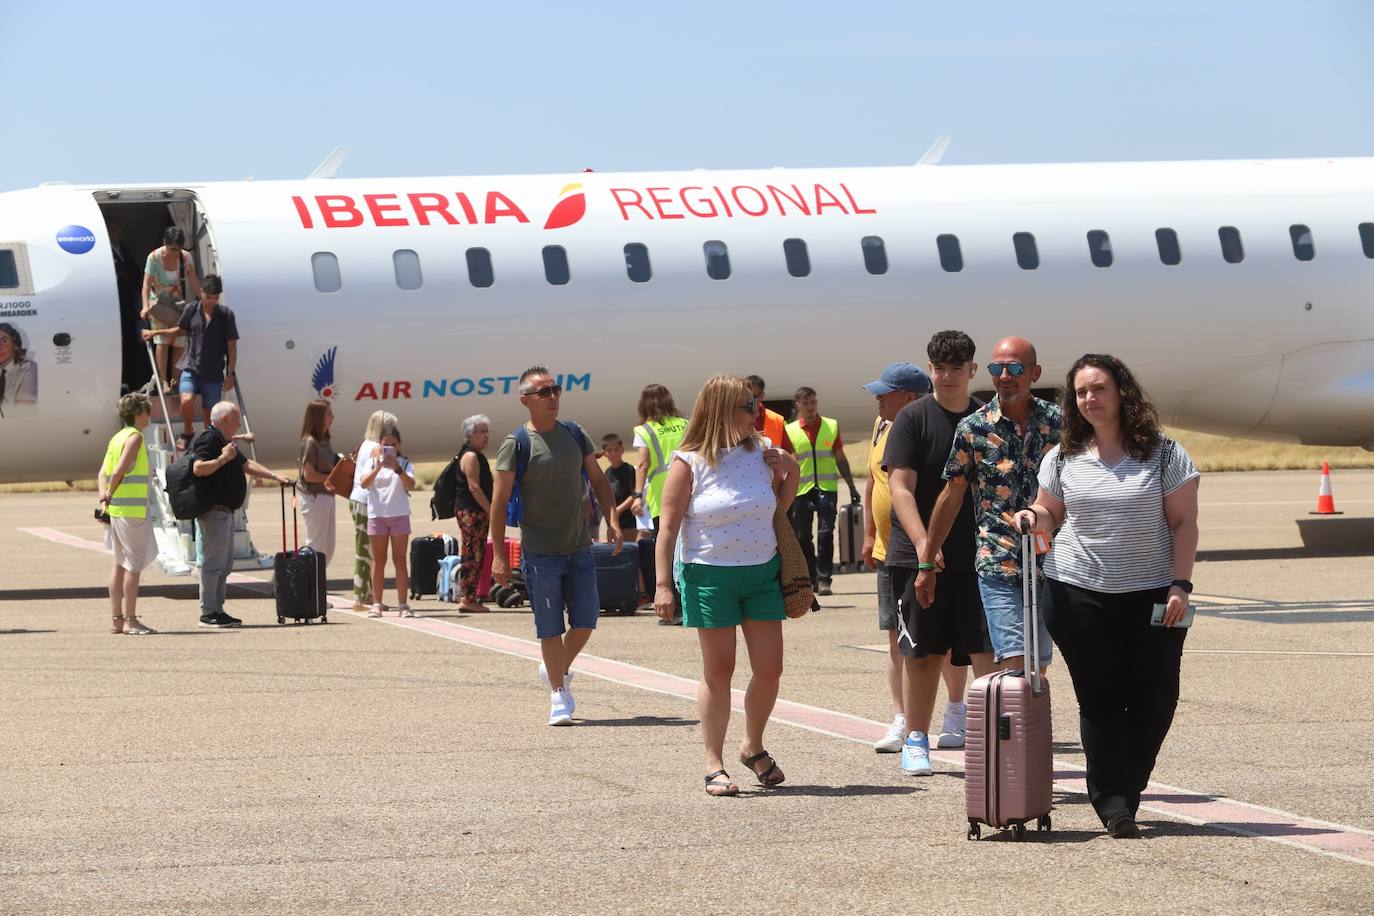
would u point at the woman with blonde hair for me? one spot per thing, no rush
(379, 424)
(724, 485)
(123, 483)
(316, 460)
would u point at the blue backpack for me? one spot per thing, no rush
(515, 509)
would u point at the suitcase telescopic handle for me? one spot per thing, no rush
(1030, 608)
(295, 524)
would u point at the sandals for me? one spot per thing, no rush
(118, 626)
(769, 777)
(375, 611)
(726, 788)
(136, 627)
(404, 611)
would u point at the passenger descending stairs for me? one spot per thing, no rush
(178, 542)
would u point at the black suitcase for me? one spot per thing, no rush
(617, 577)
(425, 554)
(298, 576)
(849, 521)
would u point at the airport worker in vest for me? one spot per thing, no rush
(768, 423)
(657, 436)
(820, 451)
(551, 457)
(123, 483)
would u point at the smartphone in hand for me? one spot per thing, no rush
(388, 452)
(1157, 616)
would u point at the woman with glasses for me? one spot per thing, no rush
(123, 483)
(724, 486)
(169, 279)
(1124, 498)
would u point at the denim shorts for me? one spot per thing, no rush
(210, 392)
(1006, 626)
(559, 583)
(887, 602)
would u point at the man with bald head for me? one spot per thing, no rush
(997, 451)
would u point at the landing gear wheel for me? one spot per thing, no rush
(974, 830)
(1019, 832)
(1042, 822)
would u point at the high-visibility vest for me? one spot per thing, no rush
(130, 498)
(818, 466)
(774, 427)
(662, 436)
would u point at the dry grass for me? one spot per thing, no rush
(1210, 453)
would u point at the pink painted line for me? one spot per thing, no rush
(1340, 841)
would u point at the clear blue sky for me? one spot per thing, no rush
(222, 90)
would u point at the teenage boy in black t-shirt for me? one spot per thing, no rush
(621, 477)
(917, 449)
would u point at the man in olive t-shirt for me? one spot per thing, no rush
(560, 573)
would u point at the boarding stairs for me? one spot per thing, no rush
(178, 541)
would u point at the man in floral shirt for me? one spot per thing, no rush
(997, 450)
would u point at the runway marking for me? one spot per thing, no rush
(881, 649)
(1338, 841)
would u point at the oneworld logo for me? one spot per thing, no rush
(75, 239)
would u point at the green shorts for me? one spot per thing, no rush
(721, 596)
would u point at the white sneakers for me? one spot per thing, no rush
(891, 741)
(560, 708)
(566, 692)
(952, 729)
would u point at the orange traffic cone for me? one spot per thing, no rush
(1326, 503)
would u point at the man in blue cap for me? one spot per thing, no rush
(898, 386)
(952, 624)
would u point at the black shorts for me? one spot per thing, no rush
(953, 623)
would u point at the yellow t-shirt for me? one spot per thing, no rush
(882, 492)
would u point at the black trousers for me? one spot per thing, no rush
(816, 507)
(1125, 675)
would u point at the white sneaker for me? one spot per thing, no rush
(952, 729)
(567, 685)
(916, 755)
(560, 708)
(891, 741)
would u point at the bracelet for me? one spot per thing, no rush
(924, 566)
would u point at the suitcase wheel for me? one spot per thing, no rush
(324, 619)
(510, 599)
(974, 830)
(281, 620)
(1042, 822)
(629, 608)
(1018, 831)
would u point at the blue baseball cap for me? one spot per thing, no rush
(899, 377)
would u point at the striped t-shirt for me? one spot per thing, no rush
(1115, 536)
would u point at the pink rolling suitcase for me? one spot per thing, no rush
(1008, 751)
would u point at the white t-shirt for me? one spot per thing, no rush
(359, 494)
(387, 497)
(729, 518)
(1116, 537)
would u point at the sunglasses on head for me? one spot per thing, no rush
(548, 391)
(1016, 369)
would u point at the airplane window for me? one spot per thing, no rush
(1303, 247)
(326, 269)
(637, 262)
(1169, 252)
(1231, 248)
(875, 255)
(479, 268)
(1367, 239)
(1100, 248)
(1026, 253)
(407, 264)
(717, 260)
(798, 261)
(951, 257)
(556, 265)
(9, 270)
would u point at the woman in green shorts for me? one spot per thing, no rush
(724, 484)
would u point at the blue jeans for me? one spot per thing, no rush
(210, 392)
(1006, 625)
(559, 582)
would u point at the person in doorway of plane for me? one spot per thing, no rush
(168, 275)
(207, 364)
(820, 451)
(18, 373)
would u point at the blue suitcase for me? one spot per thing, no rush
(617, 577)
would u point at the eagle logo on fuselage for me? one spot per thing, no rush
(323, 378)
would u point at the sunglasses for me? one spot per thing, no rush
(750, 405)
(548, 391)
(1016, 369)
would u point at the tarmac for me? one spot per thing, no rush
(404, 765)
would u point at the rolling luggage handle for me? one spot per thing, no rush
(295, 524)
(1030, 608)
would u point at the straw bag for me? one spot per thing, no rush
(794, 575)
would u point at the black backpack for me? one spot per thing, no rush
(184, 490)
(445, 491)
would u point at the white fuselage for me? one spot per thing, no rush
(1271, 347)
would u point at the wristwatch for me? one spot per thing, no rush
(638, 494)
(1184, 584)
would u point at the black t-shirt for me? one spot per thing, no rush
(229, 485)
(207, 343)
(921, 438)
(462, 493)
(622, 481)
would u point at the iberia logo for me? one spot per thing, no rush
(323, 378)
(571, 207)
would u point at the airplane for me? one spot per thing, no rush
(1238, 291)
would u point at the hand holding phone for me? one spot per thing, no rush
(1157, 616)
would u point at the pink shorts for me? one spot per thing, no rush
(396, 524)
